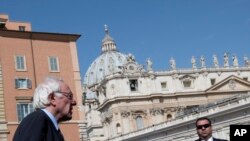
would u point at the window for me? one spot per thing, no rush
(187, 83)
(53, 64)
(245, 78)
(118, 128)
(139, 122)
(212, 81)
(21, 28)
(23, 109)
(23, 83)
(20, 63)
(164, 85)
(169, 117)
(2, 25)
(133, 85)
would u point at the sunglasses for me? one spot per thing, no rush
(203, 126)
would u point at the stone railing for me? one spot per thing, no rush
(205, 110)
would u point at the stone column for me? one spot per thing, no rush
(125, 121)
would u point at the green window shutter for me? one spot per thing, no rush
(17, 83)
(29, 83)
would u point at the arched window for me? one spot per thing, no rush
(118, 128)
(139, 122)
(169, 117)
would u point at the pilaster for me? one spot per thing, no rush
(3, 124)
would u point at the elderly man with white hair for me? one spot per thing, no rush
(53, 101)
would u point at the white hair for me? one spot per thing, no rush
(42, 92)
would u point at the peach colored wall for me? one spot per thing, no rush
(4, 17)
(9, 48)
(13, 25)
(42, 49)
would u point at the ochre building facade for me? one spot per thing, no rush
(26, 58)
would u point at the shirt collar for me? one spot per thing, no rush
(52, 118)
(210, 139)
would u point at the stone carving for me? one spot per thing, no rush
(149, 64)
(193, 62)
(156, 111)
(246, 62)
(139, 113)
(235, 61)
(226, 60)
(125, 114)
(172, 63)
(130, 58)
(216, 62)
(232, 84)
(203, 65)
(106, 116)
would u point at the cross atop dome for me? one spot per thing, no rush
(108, 43)
(106, 29)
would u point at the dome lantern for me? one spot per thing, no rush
(108, 43)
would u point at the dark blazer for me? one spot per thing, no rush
(37, 126)
(214, 139)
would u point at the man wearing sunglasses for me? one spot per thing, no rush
(204, 130)
(53, 101)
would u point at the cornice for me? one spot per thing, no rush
(39, 35)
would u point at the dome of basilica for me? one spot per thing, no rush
(107, 63)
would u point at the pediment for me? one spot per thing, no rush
(231, 83)
(187, 77)
(132, 67)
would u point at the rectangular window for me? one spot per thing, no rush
(21, 28)
(20, 63)
(245, 78)
(53, 64)
(133, 83)
(212, 81)
(164, 85)
(187, 84)
(23, 83)
(23, 109)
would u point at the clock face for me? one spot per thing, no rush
(131, 68)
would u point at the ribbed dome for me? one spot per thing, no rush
(107, 63)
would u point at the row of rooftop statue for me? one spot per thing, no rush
(235, 62)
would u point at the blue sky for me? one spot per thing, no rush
(156, 29)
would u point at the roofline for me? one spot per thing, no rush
(39, 35)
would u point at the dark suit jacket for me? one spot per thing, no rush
(215, 139)
(37, 126)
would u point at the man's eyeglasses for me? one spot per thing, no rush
(203, 126)
(68, 95)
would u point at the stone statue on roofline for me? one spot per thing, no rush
(202, 59)
(246, 61)
(130, 58)
(172, 63)
(193, 62)
(216, 62)
(226, 60)
(149, 64)
(235, 61)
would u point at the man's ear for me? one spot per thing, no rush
(51, 98)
